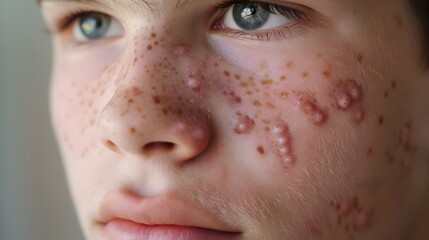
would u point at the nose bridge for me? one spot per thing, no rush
(150, 113)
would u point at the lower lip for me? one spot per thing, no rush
(124, 229)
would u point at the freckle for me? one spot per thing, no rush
(244, 84)
(133, 130)
(290, 64)
(284, 95)
(270, 105)
(359, 57)
(248, 92)
(261, 150)
(327, 74)
(398, 20)
(227, 73)
(156, 43)
(369, 152)
(257, 103)
(130, 101)
(149, 47)
(381, 120)
(305, 74)
(243, 124)
(157, 99)
(283, 78)
(238, 77)
(266, 82)
(386, 94)
(216, 64)
(110, 145)
(137, 91)
(393, 84)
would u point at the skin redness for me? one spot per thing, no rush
(227, 119)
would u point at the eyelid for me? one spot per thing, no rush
(60, 15)
(283, 32)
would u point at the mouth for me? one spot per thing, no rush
(126, 229)
(125, 215)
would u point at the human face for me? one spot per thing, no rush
(234, 121)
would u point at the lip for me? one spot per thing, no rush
(124, 215)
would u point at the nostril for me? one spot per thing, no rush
(158, 146)
(112, 146)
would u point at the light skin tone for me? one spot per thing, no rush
(310, 127)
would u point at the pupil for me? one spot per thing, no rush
(250, 16)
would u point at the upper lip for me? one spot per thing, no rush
(164, 209)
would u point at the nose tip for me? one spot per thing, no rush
(178, 138)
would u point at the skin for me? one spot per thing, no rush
(317, 135)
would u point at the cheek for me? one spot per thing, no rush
(330, 127)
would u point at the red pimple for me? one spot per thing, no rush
(347, 94)
(310, 107)
(359, 116)
(149, 47)
(283, 141)
(227, 73)
(344, 101)
(361, 221)
(243, 124)
(305, 74)
(194, 83)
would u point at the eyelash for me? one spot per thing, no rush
(282, 32)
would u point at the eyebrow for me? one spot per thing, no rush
(138, 3)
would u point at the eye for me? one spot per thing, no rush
(252, 16)
(93, 26)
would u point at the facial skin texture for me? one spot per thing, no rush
(313, 135)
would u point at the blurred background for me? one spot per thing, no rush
(34, 199)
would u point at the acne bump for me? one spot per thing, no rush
(283, 142)
(347, 94)
(309, 106)
(243, 124)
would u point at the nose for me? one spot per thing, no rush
(150, 114)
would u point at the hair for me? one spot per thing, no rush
(421, 8)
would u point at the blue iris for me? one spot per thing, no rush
(94, 25)
(251, 16)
